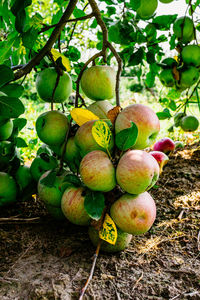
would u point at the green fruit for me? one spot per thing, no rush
(191, 55)
(189, 123)
(123, 240)
(52, 127)
(177, 118)
(166, 1)
(46, 82)
(98, 82)
(169, 62)
(23, 177)
(6, 128)
(184, 29)
(41, 164)
(72, 155)
(147, 8)
(8, 189)
(188, 77)
(101, 108)
(7, 153)
(167, 78)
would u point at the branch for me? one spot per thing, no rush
(53, 37)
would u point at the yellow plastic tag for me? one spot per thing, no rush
(65, 61)
(82, 115)
(109, 231)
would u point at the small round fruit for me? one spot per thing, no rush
(167, 78)
(191, 55)
(189, 76)
(184, 29)
(46, 82)
(8, 189)
(177, 118)
(189, 123)
(23, 176)
(165, 145)
(72, 205)
(179, 144)
(147, 8)
(52, 127)
(100, 108)
(98, 82)
(134, 214)
(97, 171)
(123, 240)
(137, 171)
(7, 153)
(5, 129)
(161, 157)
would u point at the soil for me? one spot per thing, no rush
(43, 259)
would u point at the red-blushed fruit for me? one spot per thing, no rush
(97, 171)
(52, 127)
(98, 82)
(137, 171)
(146, 120)
(161, 157)
(72, 205)
(165, 145)
(8, 189)
(100, 108)
(123, 240)
(85, 142)
(134, 214)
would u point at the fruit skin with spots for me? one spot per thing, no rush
(123, 240)
(184, 29)
(72, 205)
(100, 108)
(146, 120)
(97, 171)
(189, 123)
(98, 82)
(52, 127)
(134, 214)
(165, 145)
(8, 189)
(137, 171)
(161, 158)
(46, 82)
(147, 8)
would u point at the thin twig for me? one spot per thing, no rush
(91, 272)
(198, 241)
(11, 219)
(140, 278)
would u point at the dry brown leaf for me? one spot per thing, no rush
(113, 113)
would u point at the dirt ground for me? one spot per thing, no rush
(43, 259)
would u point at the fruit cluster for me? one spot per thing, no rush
(188, 123)
(106, 168)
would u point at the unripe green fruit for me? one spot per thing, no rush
(8, 189)
(184, 29)
(167, 78)
(147, 8)
(177, 118)
(189, 77)
(98, 82)
(166, 1)
(123, 240)
(46, 82)
(191, 55)
(7, 153)
(6, 129)
(23, 177)
(189, 123)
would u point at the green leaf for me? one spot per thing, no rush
(172, 105)
(94, 204)
(126, 138)
(78, 13)
(19, 5)
(11, 107)
(73, 53)
(20, 21)
(6, 74)
(13, 90)
(164, 22)
(29, 38)
(135, 4)
(165, 114)
(20, 143)
(49, 179)
(137, 57)
(73, 180)
(19, 123)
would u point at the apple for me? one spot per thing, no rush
(6, 128)
(161, 157)
(166, 1)
(123, 240)
(167, 78)
(97, 171)
(7, 153)
(179, 144)
(165, 145)
(23, 176)
(72, 205)
(189, 123)
(137, 171)
(191, 55)
(146, 120)
(147, 8)
(85, 142)
(184, 29)
(72, 155)
(134, 214)
(41, 164)
(8, 189)
(98, 82)
(55, 212)
(52, 194)
(177, 118)
(52, 127)
(46, 82)
(189, 76)
(100, 108)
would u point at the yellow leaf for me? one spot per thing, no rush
(65, 61)
(101, 133)
(82, 115)
(109, 231)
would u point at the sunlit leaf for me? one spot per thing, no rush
(82, 115)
